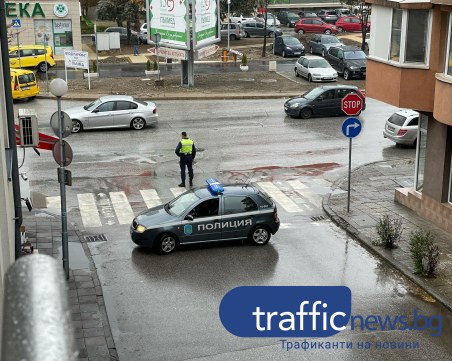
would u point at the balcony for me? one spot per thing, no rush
(442, 110)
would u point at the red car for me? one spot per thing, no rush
(349, 23)
(314, 25)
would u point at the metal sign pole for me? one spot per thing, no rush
(45, 59)
(18, 49)
(229, 19)
(349, 172)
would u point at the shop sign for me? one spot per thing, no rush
(60, 10)
(21, 10)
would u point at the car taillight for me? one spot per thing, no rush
(51, 54)
(401, 132)
(275, 214)
(16, 86)
(361, 94)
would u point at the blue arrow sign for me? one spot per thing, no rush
(15, 23)
(351, 127)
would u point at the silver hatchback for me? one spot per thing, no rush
(113, 111)
(402, 127)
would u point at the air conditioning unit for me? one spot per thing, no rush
(28, 128)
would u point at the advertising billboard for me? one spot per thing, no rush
(206, 23)
(169, 19)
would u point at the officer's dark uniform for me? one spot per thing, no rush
(186, 151)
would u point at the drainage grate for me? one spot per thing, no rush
(96, 238)
(317, 218)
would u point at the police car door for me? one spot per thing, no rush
(238, 216)
(205, 225)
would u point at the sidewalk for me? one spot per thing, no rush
(93, 338)
(371, 197)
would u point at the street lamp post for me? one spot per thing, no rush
(229, 20)
(58, 87)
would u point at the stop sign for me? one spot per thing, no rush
(351, 104)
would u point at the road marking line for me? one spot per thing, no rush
(177, 191)
(279, 197)
(301, 189)
(150, 197)
(88, 210)
(53, 202)
(122, 207)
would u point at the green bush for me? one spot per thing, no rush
(94, 66)
(156, 66)
(424, 253)
(244, 60)
(390, 232)
(148, 65)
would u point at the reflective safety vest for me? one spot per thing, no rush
(187, 146)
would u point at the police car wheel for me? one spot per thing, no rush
(166, 244)
(260, 235)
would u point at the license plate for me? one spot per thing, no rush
(297, 53)
(25, 88)
(364, 73)
(391, 128)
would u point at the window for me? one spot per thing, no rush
(317, 22)
(448, 70)
(413, 122)
(396, 33)
(122, 105)
(106, 107)
(233, 205)
(420, 156)
(207, 208)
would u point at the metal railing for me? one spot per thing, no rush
(36, 316)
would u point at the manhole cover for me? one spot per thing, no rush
(96, 238)
(317, 218)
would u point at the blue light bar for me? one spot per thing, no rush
(214, 186)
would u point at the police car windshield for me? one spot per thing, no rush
(177, 206)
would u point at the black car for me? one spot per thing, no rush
(206, 214)
(350, 61)
(321, 101)
(288, 46)
(287, 18)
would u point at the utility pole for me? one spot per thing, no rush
(264, 48)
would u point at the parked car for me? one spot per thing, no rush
(235, 31)
(402, 127)
(113, 111)
(241, 18)
(350, 61)
(254, 28)
(328, 16)
(314, 68)
(342, 12)
(271, 19)
(307, 14)
(122, 32)
(144, 28)
(288, 46)
(313, 25)
(208, 214)
(23, 84)
(288, 18)
(349, 24)
(366, 42)
(321, 101)
(319, 43)
(31, 56)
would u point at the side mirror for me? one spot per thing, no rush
(189, 217)
(96, 111)
(320, 98)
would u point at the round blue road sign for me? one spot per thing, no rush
(351, 127)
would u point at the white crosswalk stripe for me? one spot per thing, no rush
(150, 197)
(177, 191)
(303, 190)
(88, 210)
(279, 197)
(122, 207)
(53, 202)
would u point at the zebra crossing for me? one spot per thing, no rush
(115, 207)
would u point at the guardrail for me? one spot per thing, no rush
(36, 316)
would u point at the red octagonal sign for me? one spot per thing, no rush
(351, 104)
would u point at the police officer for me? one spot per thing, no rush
(186, 151)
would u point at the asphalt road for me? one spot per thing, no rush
(166, 308)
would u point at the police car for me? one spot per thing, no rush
(205, 214)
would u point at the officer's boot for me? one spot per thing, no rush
(191, 182)
(182, 184)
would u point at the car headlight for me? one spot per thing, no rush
(354, 68)
(294, 105)
(140, 228)
(314, 74)
(289, 48)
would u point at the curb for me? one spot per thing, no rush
(367, 243)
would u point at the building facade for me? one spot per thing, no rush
(55, 22)
(410, 66)
(304, 4)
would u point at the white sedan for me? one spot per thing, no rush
(315, 68)
(113, 111)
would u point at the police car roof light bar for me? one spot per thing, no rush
(214, 186)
